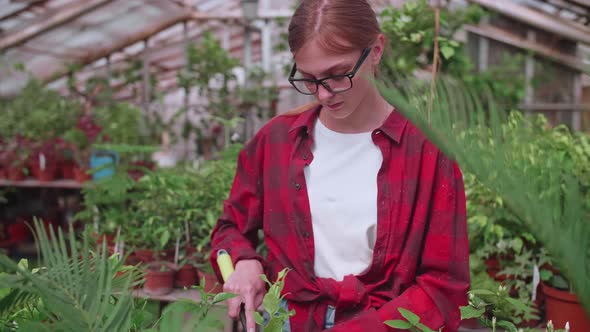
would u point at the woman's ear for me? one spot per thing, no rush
(378, 49)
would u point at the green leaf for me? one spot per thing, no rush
(164, 238)
(518, 304)
(545, 275)
(222, 297)
(265, 278)
(468, 312)
(258, 318)
(398, 324)
(507, 325)
(447, 51)
(410, 316)
(424, 328)
(481, 292)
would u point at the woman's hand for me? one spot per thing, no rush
(246, 282)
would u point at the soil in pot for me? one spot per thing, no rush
(186, 276)
(159, 278)
(561, 307)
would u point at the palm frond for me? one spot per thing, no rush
(78, 288)
(544, 193)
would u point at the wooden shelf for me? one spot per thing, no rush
(32, 183)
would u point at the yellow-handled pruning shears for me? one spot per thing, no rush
(227, 268)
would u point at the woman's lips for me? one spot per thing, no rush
(335, 106)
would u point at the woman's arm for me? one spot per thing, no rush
(237, 229)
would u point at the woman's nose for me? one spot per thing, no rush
(323, 94)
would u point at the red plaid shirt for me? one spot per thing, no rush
(420, 258)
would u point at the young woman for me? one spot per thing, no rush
(366, 213)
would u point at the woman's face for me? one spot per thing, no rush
(315, 62)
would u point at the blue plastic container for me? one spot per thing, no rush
(105, 161)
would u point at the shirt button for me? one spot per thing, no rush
(297, 186)
(305, 156)
(306, 235)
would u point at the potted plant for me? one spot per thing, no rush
(107, 208)
(43, 115)
(561, 304)
(159, 278)
(15, 156)
(79, 146)
(121, 125)
(187, 274)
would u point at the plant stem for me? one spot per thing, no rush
(436, 56)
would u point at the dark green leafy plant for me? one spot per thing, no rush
(212, 187)
(164, 205)
(209, 70)
(411, 34)
(121, 123)
(493, 309)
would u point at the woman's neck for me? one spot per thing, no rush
(371, 112)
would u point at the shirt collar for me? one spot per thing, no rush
(393, 126)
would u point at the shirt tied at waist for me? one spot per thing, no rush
(349, 296)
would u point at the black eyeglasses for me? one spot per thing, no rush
(334, 84)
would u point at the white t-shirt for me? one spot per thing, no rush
(342, 187)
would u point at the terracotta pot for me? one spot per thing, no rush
(136, 173)
(186, 276)
(44, 175)
(562, 307)
(132, 259)
(67, 169)
(494, 266)
(80, 174)
(109, 238)
(15, 173)
(159, 278)
(144, 255)
(212, 285)
(18, 232)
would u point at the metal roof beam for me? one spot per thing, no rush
(581, 3)
(124, 42)
(61, 16)
(237, 17)
(506, 37)
(543, 21)
(25, 7)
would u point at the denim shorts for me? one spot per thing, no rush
(328, 323)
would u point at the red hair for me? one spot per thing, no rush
(340, 26)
